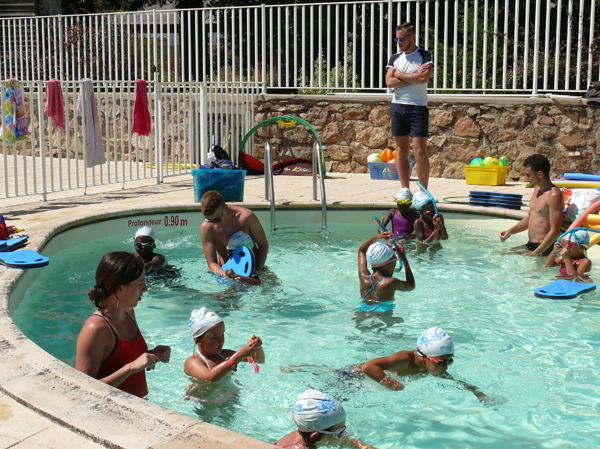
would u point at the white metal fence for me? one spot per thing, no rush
(519, 46)
(187, 117)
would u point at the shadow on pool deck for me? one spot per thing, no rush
(45, 403)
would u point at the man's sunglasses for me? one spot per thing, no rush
(401, 39)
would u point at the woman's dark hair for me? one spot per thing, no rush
(115, 269)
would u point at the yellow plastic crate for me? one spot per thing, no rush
(485, 176)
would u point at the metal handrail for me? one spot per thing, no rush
(317, 160)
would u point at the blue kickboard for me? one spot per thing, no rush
(12, 244)
(24, 258)
(563, 289)
(241, 262)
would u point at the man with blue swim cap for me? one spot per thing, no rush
(433, 355)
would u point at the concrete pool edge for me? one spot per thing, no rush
(106, 415)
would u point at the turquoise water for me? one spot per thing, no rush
(538, 359)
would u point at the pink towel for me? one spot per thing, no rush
(141, 123)
(54, 103)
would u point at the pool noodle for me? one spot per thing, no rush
(572, 184)
(430, 196)
(581, 177)
(593, 219)
(582, 218)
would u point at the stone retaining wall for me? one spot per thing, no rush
(351, 127)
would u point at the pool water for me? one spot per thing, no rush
(537, 359)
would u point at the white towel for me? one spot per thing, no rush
(86, 107)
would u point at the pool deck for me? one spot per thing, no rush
(46, 404)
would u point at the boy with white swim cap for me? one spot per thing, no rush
(320, 420)
(144, 243)
(571, 252)
(381, 286)
(211, 362)
(403, 217)
(429, 227)
(433, 355)
(236, 241)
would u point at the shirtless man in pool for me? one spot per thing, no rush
(545, 210)
(221, 222)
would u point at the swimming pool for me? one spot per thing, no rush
(535, 357)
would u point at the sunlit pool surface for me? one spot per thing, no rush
(538, 359)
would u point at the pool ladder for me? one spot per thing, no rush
(317, 159)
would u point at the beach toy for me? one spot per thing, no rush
(24, 258)
(477, 162)
(430, 196)
(251, 359)
(394, 241)
(373, 157)
(504, 161)
(386, 155)
(581, 177)
(491, 162)
(12, 244)
(241, 262)
(563, 289)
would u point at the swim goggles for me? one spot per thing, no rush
(440, 362)
(407, 201)
(140, 245)
(336, 433)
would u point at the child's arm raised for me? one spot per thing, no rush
(439, 220)
(551, 260)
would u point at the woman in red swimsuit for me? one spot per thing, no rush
(110, 347)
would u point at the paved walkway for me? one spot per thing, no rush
(22, 427)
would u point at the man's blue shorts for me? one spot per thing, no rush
(409, 120)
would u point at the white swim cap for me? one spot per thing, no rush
(581, 237)
(315, 411)
(379, 255)
(238, 239)
(435, 342)
(149, 232)
(403, 194)
(202, 320)
(420, 199)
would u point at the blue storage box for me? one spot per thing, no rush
(229, 183)
(383, 170)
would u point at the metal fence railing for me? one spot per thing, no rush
(516, 46)
(187, 117)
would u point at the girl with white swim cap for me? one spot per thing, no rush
(433, 355)
(211, 362)
(381, 285)
(321, 420)
(430, 227)
(403, 217)
(570, 255)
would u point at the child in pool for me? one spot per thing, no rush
(571, 249)
(380, 285)
(430, 227)
(402, 218)
(321, 420)
(237, 240)
(144, 244)
(433, 355)
(211, 362)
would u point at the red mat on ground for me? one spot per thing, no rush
(295, 167)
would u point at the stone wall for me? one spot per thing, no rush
(351, 127)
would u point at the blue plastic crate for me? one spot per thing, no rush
(383, 170)
(229, 183)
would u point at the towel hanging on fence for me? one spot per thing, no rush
(86, 107)
(15, 127)
(141, 122)
(54, 108)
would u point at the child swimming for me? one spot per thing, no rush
(430, 227)
(237, 240)
(144, 244)
(433, 355)
(380, 285)
(572, 251)
(321, 420)
(211, 362)
(402, 218)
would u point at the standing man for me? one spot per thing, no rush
(220, 223)
(545, 210)
(408, 73)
